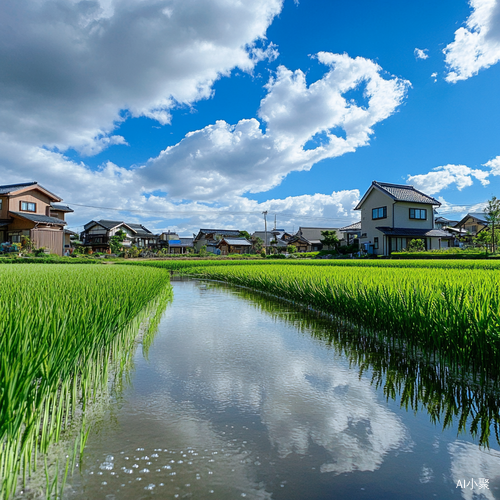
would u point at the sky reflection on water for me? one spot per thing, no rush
(234, 402)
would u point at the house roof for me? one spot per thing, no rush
(236, 242)
(43, 219)
(355, 226)
(138, 229)
(418, 233)
(60, 207)
(480, 216)
(399, 192)
(221, 232)
(25, 186)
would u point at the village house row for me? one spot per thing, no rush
(391, 216)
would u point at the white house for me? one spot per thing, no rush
(392, 215)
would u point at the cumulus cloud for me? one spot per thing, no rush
(468, 462)
(421, 53)
(70, 69)
(444, 176)
(477, 45)
(494, 166)
(303, 125)
(434, 77)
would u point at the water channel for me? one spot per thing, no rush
(242, 396)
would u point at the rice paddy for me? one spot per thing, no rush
(64, 330)
(444, 311)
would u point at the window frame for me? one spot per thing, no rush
(375, 243)
(27, 204)
(384, 213)
(1, 203)
(413, 213)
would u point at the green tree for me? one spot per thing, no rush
(258, 244)
(115, 242)
(330, 239)
(291, 248)
(416, 245)
(483, 239)
(492, 215)
(245, 234)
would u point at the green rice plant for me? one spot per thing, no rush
(444, 311)
(63, 329)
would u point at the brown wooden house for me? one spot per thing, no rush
(28, 209)
(234, 245)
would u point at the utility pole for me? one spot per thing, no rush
(275, 222)
(265, 231)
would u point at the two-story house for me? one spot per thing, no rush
(393, 214)
(97, 235)
(28, 209)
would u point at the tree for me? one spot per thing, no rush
(245, 234)
(291, 248)
(492, 215)
(416, 245)
(330, 239)
(115, 242)
(483, 239)
(258, 244)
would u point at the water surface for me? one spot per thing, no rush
(242, 396)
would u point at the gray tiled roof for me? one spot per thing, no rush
(44, 219)
(61, 207)
(9, 188)
(419, 233)
(479, 216)
(356, 226)
(109, 224)
(238, 242)
(222, 232)
(401, 192)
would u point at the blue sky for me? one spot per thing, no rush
(183, 114)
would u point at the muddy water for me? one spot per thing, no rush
(244, 397)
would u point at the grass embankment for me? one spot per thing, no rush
(62, 329)
(441, 310)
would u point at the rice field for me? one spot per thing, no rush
(444, 311)
(63, 331)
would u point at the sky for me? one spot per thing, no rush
(188, 114)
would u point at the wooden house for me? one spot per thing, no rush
(97, 235)
(308, 239)
(211, 237)
(234, 245)
(28, 209)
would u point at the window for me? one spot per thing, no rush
(1, 201)
(418, 213)
(375, 243)
(28, 207)
(379, 213)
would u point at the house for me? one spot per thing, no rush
(351, 233)
(473, 223)
(234, 245)
(210, 238)
(442, 222)
(97, 235)
(29, 210)
(277, 238)
(308, 239)
(175, 244)
(393, 214)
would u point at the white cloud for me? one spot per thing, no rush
(468, 462)
(477, 45)
(70, 69)
(444, 176)
(224, 160)
(494, 166)
(421, 53)
(434, 76)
